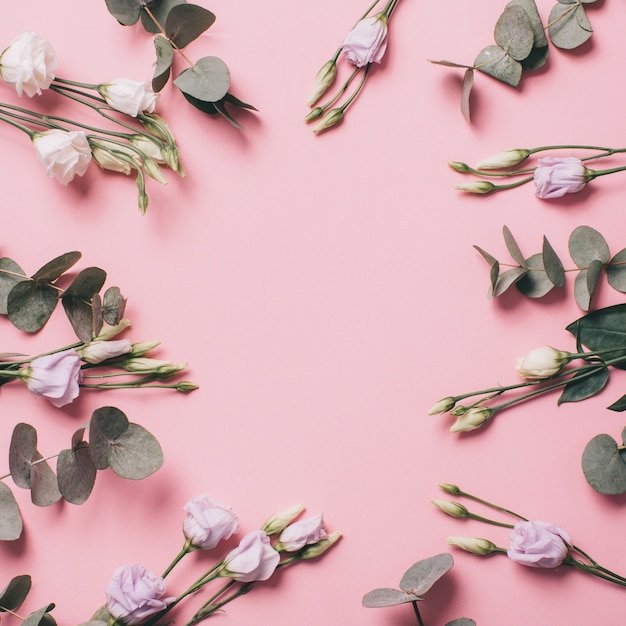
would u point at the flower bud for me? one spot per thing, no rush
(143, 347)
(171, 157)
(149, 147)
(278, 522)
(443, 406)
(477, 186)
(459, 167)
(144, 365)
(314, 114)
(508, 158)
(108, 332)
(315, 550)
(323, 80)
(472, 419)
(97, 351)
(332, 118)
(454, 509)
(114, 157)
(157, 126)
(542, 363)
(453, 490)
(185, 386)
(474, 545)
(153, 170)
(458, 410)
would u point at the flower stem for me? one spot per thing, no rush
(417, 613)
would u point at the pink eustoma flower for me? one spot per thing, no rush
(55, 376)
(538, 544)
(367, 41)
(554, 177)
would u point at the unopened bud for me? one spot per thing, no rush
(278, 522)
(508, 158)
(315, 550)
(185, 386)
(474, 545)
(454, 509)
(332, 118)
(323, 80)
(143, 347)
(459, 167)
(108, 332)
(477, 186)
(453, 490)
(443, 406)
(472, 419)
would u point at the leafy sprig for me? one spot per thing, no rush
(537, 275)
(205, 84)
(521, 44)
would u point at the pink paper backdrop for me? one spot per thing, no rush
(325, 293)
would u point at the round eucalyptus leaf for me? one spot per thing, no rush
(31, 304)
(586, 245)
(421, 576)
(40, 618)
(55, 268)
(187, 22)
(164, 58)
(10, 529)
(10, 274)
(462, 621)
(514, 32)
(207, 80)
(495, 62)
(535, 283)
(160, 10)
(114, 306)
(135, 454)
(22, 449)
(107, 424)
(44, 487)
(540, 39)
(76, 473)
(604, 465)
(387, 597)
(569, 26)
(126, 12)
(536, 59)
(581, 291)
(616, 271)
(552, 264)
(581, 387)
(12, 596)
(508, 279)
(80, 315)
(205, 107)
(88, 282)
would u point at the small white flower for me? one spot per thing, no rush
(63, 153)
(129, 96)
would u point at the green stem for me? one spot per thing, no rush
(613, 170)
(486, 520)
(199, 616)
(417, 613)
(185, 550)
(491, 505)
(351, 99)
(8, 120)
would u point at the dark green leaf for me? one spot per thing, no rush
(569, 26)
(88, 282)
(55, 268)
(495, 62)
(10, 518)
(12, 596)
(514, 32)
(160, 10)
(77, 301)
(490, 259)
(40, 617)
(96, 314)
(126, 12)
(205, 107)
(76, 471)
(31, 304)
(616, 271)
(386, 597)
(114, 306)
(513, 248)
(618, 405)
(421, 576)
(107, 424)
(230, 99)
(581, 291)
(135, 454)
(80, 315)
(535, 283)
(494, 274)
(10, 274)
(22, 449)
(552, 265)
(164, 59)
(604, 465)
(187, 22)
(593, 276)
(468, 83)
(220, 107)
(583, 386)
(44, 488)
(462, 621)
(507, 279)
(586, 245)
(208, 79)
(536, 59)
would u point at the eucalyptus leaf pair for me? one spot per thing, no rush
(175, 24)
(114, 442)
(537, 275)
(14, 594)
(29, 301)
(521, 43)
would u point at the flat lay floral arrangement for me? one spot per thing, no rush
(116, 125)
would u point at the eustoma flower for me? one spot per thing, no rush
(134, 594)
(554, 177)
(538, 544)
(129, 96)
(302, 533)
(207, 522)
(64, 154)
(98, 351)
(367, 41)
(28, 63)
(55, 376)
(253, 559)
(542, 363)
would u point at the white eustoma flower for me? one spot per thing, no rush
(63, 153)
(129, 96)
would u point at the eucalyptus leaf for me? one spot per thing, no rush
(11, 524)
(107, 424)
(44, 488)
(186, 22)
(201, 105)
(12, 596)
(513, 248)
(553, 265)
(126, 12)
(569, 26)
(494, 274)
(539, 35)
(604, 465)
(495, 62)
(536, 59)
(40, 617)
(449, 64)
(586, 245)
(22, 449)
(208, 79)
(30, 305)
(160, 10)
(220, 107)
(114, 306)
(88, 282)
(468, 83)
(508, 279)
(80, 315)
(164, 59)
(55, 268)
(77, 301)
(488, 257)
(583, 386)
(535, 283)
(581, 291)
(618, 405)
(462, 621)
(230, 99)
(96, 314)
(514, 32)
(76, 473)
(616, 271)
(378, 598)
(136, 454)
(593, 276)
(10, 274)
(421, 576)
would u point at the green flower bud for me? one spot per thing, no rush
(151, 167)
(314, 114)
(443, 406)
(477, 186)
(454, 509)
(185, 386)
(278, 522)
(472, 419)
(332, 118)
(459, 167)
(315, 550)
(474, 545)
(323, 80)
(453, 490)
(108, 332)
(458, 410)
(502, 160)
(143, 347)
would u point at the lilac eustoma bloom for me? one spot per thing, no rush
(554, 177)
(538, 544)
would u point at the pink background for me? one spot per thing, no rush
(325, 293)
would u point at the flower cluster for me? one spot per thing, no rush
(365, 44)
(65, 147)
(532, 543)
(136, 596)
(553, 176)
(60, 374)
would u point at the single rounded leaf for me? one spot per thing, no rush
(31, 304)
(421, 576)
(10, 523)
(44, 487)
(187, 22)
(80, 314)
(462, 621)
(207, 80)
(569, 26)
(40, 617)
(10, 274)
(88, 282)
(12, 596)
(536, 59)
(616, 271)
(604, 465)
(514, 32)
(164, 59)
(55, 268)
(553, 265)
(586, 245)
(160, 10)
(107, 424)
(96, 314)
(76, 473)
(495, 62)
(22, 450)
(540, 39)
(581, 291)
(126, 12)
(135, 454)
(581, 386)
(114, 306)
(535, 283)
(387, 597)
(508, 279)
